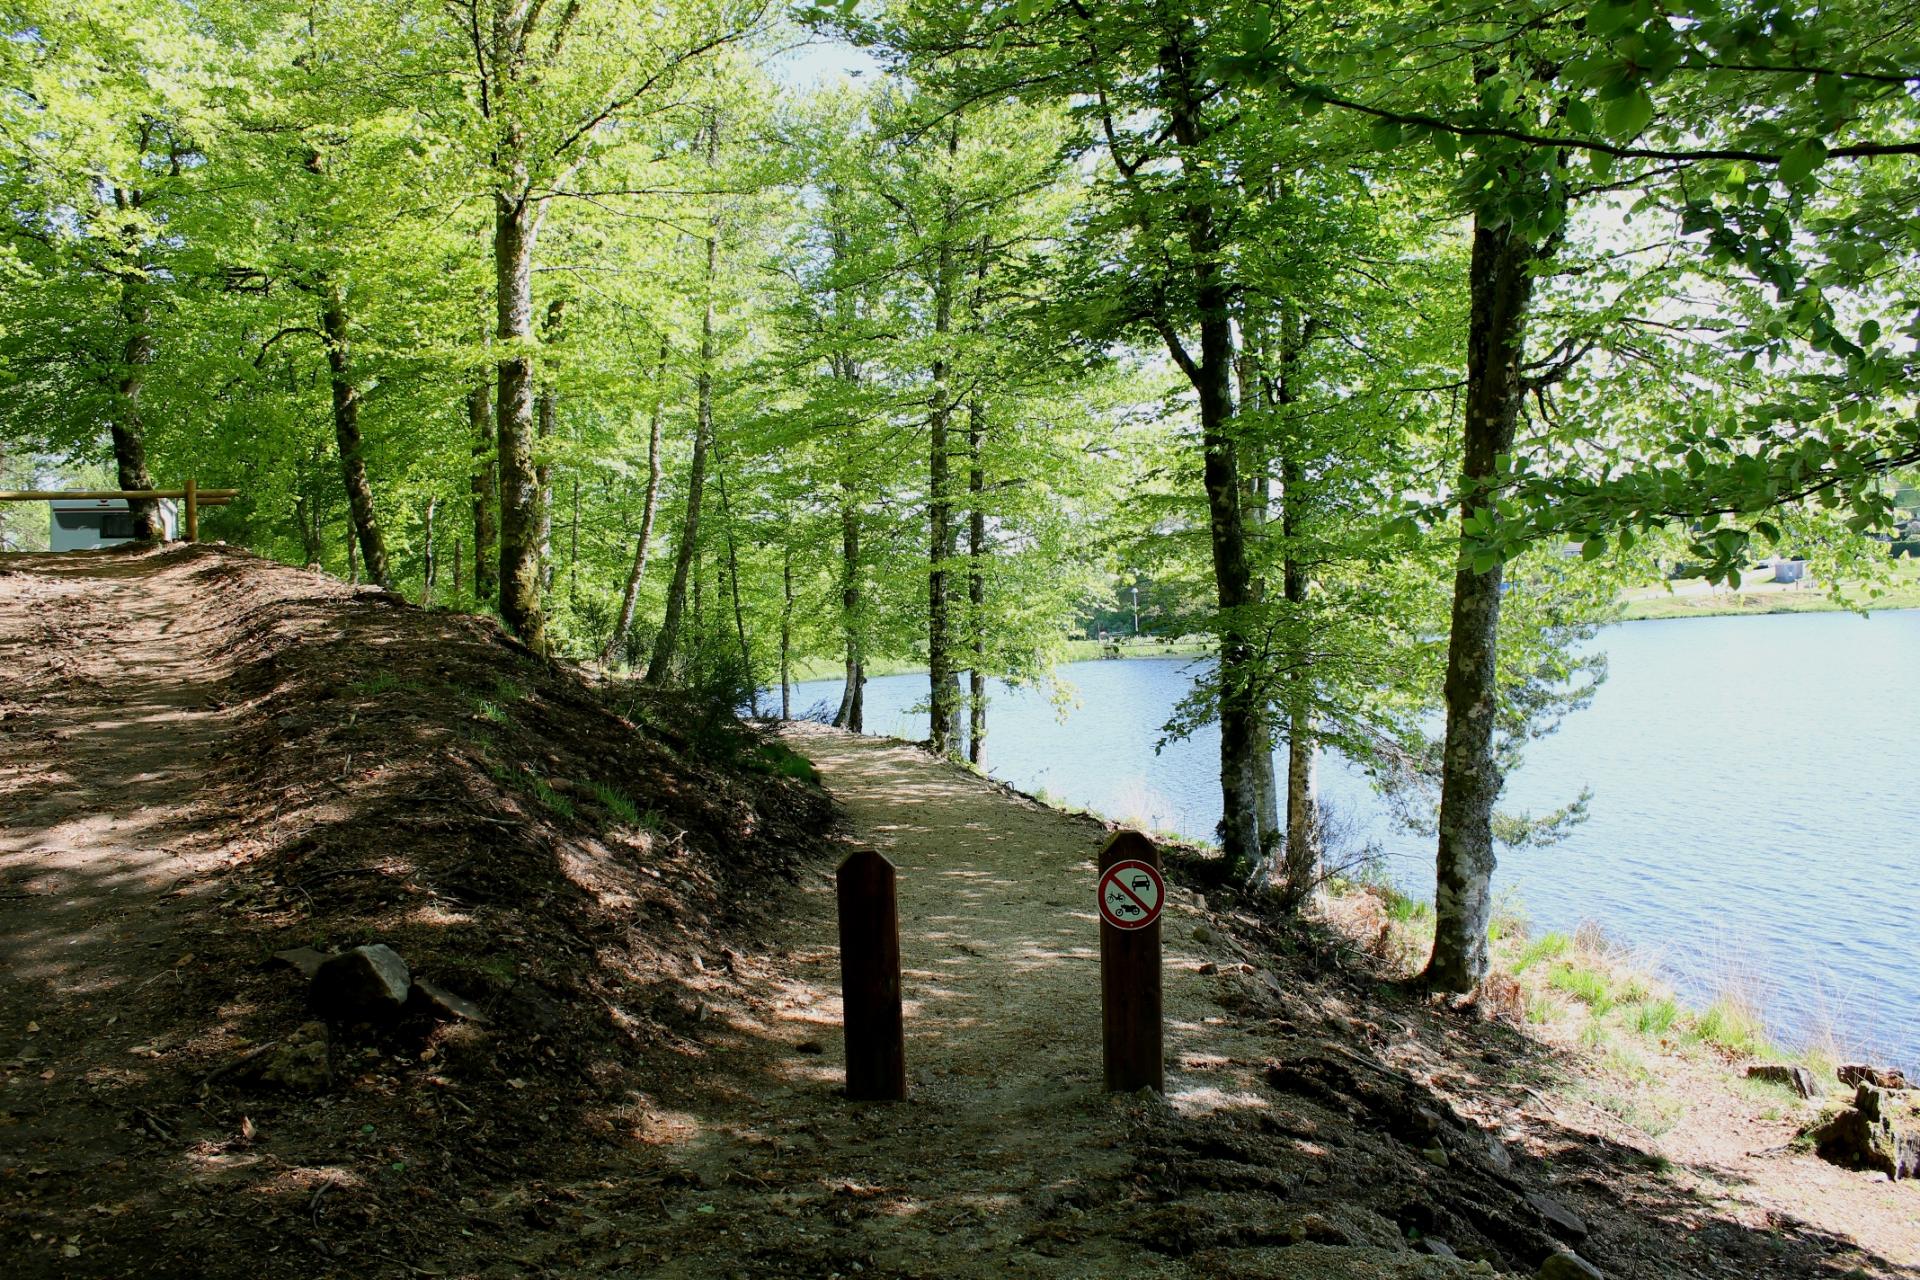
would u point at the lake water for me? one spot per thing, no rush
(1755, 817)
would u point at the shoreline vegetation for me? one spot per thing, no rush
(1698, 599)
(1693, 599)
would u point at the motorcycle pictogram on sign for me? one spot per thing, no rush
(1131, 894)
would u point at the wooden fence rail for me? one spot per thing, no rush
(195, 497)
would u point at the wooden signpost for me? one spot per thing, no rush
(1131, 894)
(870, 979)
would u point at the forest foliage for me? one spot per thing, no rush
(1378, 344)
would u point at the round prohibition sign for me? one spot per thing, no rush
(1131, 892)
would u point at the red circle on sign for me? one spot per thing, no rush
(1131, 894)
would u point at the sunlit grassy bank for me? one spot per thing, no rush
(1689, 600)
(1593, 998)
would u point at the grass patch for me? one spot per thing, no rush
(1550, 946)
(1624, 1061)
(543, 792)
(1732, 1024)
(1589, 986)
(507, 690)
(384, 682)
(1651, 1113)
(616, 802)
(489, 710)
(1776, 1099)
(1653, 1016)
(1404, 910)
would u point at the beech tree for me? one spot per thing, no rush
(552, 87)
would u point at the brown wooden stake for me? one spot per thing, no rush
(870, 979)
(1130, 985)
(193, 510)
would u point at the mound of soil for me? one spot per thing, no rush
(211, 758)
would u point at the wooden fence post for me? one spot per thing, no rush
(1131, 895)
(870, 978)
(193, 510)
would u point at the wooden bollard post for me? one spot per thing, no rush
(1131, 894)
(193, 510)
(870, 979)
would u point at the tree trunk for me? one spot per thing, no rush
(1303, 852)
(127, 428)
(977, 588)
(786, 627)
(514, 233)
(733, 582)
(309, 536)
(346, 431)
(432, 565)
(485, 482)
(1302, 841)
(1255, 469)
(136, 356)
(1211, 375)
(546, 409)
(617, 642)
(546, 420)
(1500, 285)
(852, 713)
(667, 642)
(942, 680)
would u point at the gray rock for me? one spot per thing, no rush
(1568, 1266)
(366, 983)
(300, 1063)
(305, 959)
(1561, 1220)
(1496, 1151)
(437, 1002)
(1799, 1079)
(1436, 1246)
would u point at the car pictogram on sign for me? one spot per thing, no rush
(1131, 893)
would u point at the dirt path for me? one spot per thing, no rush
(104, 717)
(1007, 1147)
